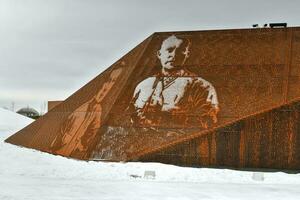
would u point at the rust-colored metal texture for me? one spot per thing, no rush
(267, 140)
(225, 98)
(52, 104)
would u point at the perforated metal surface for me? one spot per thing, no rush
(175, 89)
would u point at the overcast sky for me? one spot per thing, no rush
(51, 48)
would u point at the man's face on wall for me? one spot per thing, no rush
(171, 54)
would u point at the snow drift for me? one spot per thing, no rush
(29, 175)
(12, 121)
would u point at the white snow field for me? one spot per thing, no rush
(10, 121)
(26, 174)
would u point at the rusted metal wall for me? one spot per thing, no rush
(52, 104)
(70, 128)
(246, 67)
(269, 140)
(170, 89)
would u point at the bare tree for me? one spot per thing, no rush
(43, 108)
(12, 106)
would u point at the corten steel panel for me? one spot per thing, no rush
(172, 88)
(268, 140)
(246, 68)
(70, 128)
(52, 104)
(294, 71)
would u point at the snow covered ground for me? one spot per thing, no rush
(10, 121)
(27, 174)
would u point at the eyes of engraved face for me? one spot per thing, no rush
(173, 53)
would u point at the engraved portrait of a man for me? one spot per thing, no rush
(175, 93)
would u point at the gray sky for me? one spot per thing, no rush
(51, 48)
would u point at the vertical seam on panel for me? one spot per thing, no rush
(288, 66)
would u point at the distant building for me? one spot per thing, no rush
(29, 112)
